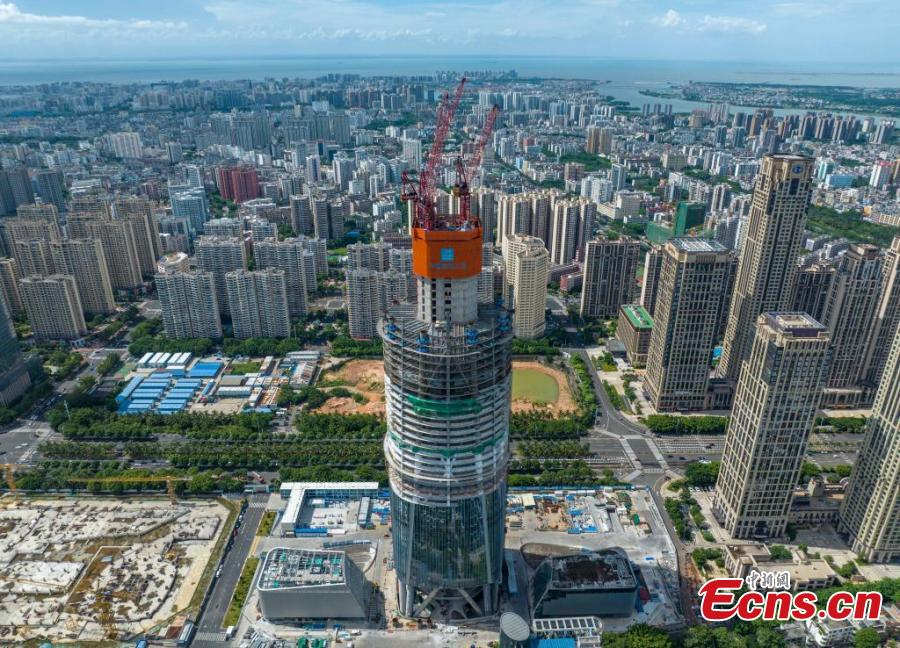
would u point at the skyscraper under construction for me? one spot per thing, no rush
(447, 366)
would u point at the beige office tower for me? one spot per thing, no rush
(527, 266)
(84, 260)
(287, 256)
(34, 257)
(190, 308)
(610, 267)
(139, 213)
(9, 283)
(259, 304)
(766, 269)
(693, 285)
(812, 285)
(870, 513)
(119, 249)
(219, 256)
(369, 294)
(53, 307)
(849, 315)
(887, 319)
(777, 396)
(653, 261)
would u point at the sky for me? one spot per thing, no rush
(857, 31)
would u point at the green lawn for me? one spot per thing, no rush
(245, 367)
(535, 386)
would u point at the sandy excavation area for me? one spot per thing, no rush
(565, 402)
(363, 377)
(366, 378)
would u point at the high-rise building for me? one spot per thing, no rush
(34, 257)
(887, 319)
(369, 294)
(53, 307)
(126, 145)
(26, 229)
(812, 285)
(15, 189)
(610, 268)
(224, 227)
(693, 286)
(14, 378)
(51, 187)
(369, 256)
(301, 214)
(778, 393)
(870, 513)
(849, 315)
(527, 266)
(191, 207)
(190, 308)
(288, 256)
(653, 261)
(219, 256)
(765, 274)
(84, 260)
(119, 249)
(447, 365)
(239, 184)
(258, 302)
(9, 284)
(328, 217)
(138, 213)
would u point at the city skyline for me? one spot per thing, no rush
(697, 30)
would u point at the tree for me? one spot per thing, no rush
(639, 636)
(867, 638)
(700, 636)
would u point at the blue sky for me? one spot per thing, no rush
(858, 31)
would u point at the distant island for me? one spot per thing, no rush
(881, 101)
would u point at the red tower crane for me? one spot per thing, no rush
(423, 196)
(466, 173)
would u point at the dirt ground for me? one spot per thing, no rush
(564, 403)
(365, 377)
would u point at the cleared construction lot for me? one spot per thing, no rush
(88, 569)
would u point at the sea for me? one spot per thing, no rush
(625, 78)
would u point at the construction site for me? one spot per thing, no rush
(96, 569)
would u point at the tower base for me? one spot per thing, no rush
(448, 604)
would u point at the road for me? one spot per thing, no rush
(210, 633)
(19, 444)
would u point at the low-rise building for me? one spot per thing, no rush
(300, 584)
(634, 329)
(806, 573)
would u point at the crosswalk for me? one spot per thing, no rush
(209, 636)
(257, 505)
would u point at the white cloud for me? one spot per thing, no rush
(722, 24)
(669, 19)
(10, 14)
(731, 24)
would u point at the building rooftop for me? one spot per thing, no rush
(290, 568)
(638, 316)
(607, 569)
(796, 324)
(693, 244)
